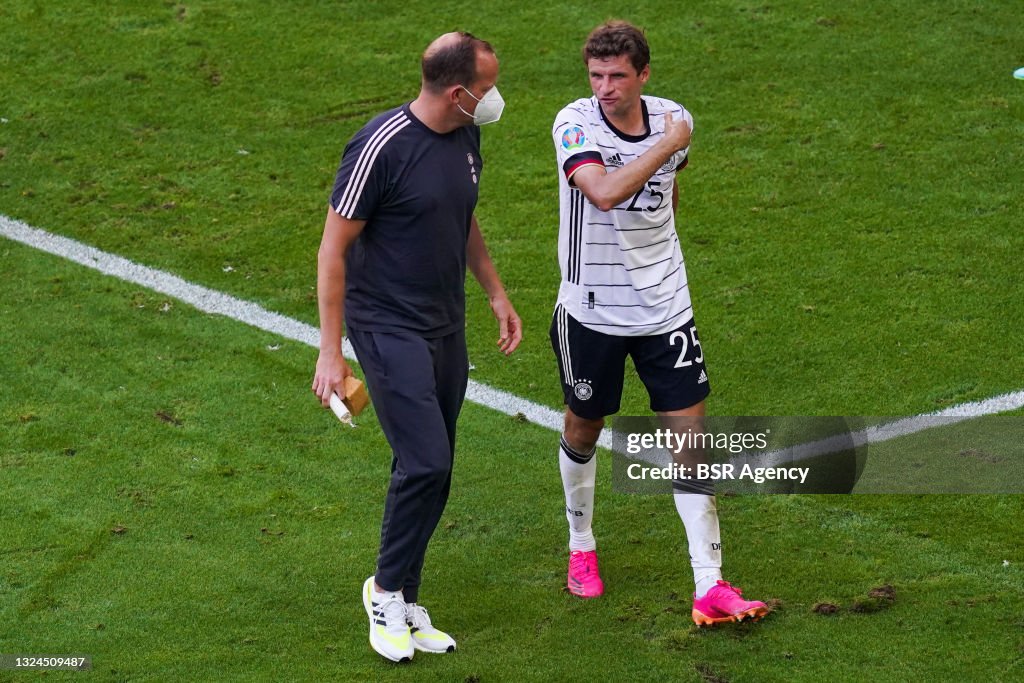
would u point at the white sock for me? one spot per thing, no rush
(579, 473)
(700, 517)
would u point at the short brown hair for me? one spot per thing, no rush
(614, 38)
(453, 64)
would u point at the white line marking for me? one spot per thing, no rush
(882, 432)
(218, 303)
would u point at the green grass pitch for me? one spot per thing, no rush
(174, 504)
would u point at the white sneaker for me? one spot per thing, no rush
(389, 632)
(424, 636)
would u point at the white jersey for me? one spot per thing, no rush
(622, 270)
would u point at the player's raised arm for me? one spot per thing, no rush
(607, 190)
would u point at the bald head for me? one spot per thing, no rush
(448, 40)
(451, 59)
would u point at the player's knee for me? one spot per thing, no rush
(581, 433)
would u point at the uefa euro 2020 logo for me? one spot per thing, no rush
(573, 138)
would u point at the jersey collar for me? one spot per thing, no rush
(626, 136)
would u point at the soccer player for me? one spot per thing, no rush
(624, 292)
(399, 233)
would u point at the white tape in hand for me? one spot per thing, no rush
(341, 410)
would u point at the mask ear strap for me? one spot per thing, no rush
(468, 92)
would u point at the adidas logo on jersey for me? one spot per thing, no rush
(613, 160)
(703, 377)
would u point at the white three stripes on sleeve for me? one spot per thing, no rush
(357, 181)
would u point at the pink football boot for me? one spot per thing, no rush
(723, 603)
(584, 580)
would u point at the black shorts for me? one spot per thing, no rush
(592, 365)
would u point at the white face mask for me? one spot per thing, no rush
(488, 108)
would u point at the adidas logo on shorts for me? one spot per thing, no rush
(703, 377)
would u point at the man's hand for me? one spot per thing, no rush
(510, 327)
(331, 371)
(677, 132)
(607, 190)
